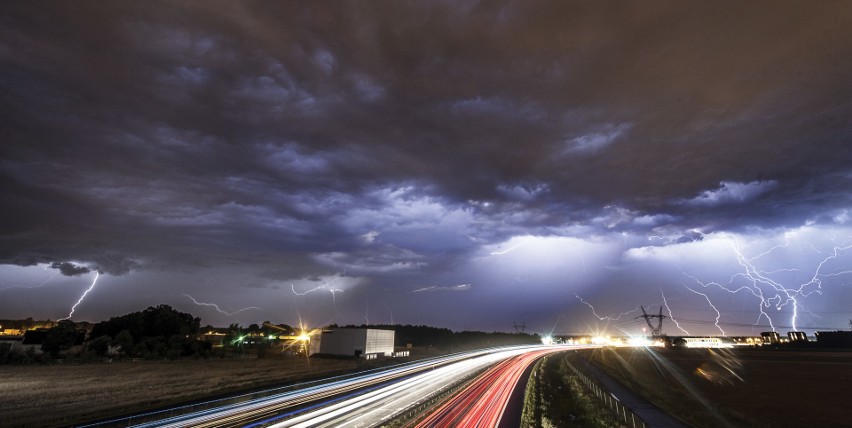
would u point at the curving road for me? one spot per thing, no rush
(374, 398)
(483, 402)
(383, 404)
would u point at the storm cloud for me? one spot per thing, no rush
(69, 269)
(395, 143)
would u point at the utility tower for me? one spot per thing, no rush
(655, 331)
(520, 328)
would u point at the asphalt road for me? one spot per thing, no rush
(380, 405)
(483, 402)
(372, 398)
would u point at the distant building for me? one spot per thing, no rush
(770, 338)
(216, 336)
(701, 342)
(834, 339)
(797, 336)
(357, 342)
(11, 332)
(746, 340)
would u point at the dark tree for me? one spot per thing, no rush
(99, 345)
(124, 341)
(152, 322)
(61, 338)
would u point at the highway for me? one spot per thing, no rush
(241, 414)
(483, 402)
(377, 397)
(375, 407)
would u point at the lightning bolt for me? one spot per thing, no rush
(460, 287)
(718, 314)
(768, 291)
(80, 300)
(671, 316)
(367, 313)
(215, 306)
(600, 318)
(391, 314)
(333, 291)
(500, 253)
(29, 286)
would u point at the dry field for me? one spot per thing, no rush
(778, 388)
(58, 395)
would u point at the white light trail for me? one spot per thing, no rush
(80, 300)
(215, 306)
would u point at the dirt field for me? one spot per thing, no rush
(58, 395)
(746, 387)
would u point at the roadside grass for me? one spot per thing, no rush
(764, 388)
(64, 394)
(555, 397)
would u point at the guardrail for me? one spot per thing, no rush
(609, 400)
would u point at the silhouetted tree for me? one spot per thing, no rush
(124, 340)
(99, 345)
(60, 338)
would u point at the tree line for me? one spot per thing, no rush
(161, 332)
(158, 332)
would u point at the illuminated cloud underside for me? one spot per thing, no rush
(524, 154)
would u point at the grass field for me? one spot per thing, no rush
(59, 395)
(763, 388)
(555, 397)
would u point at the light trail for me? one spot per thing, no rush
(80, 300)
(483, 403)
(377, 407)
(371, 398)
(215, 306)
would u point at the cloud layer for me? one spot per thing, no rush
(393, 143)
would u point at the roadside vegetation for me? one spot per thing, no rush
(555, 398)
(749, 387)
(76, 393)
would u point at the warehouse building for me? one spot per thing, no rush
(358, 342)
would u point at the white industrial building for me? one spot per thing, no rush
(358, 342)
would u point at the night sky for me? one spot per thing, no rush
(456, 164)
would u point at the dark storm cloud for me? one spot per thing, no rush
(280, 135)
(69, 269)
